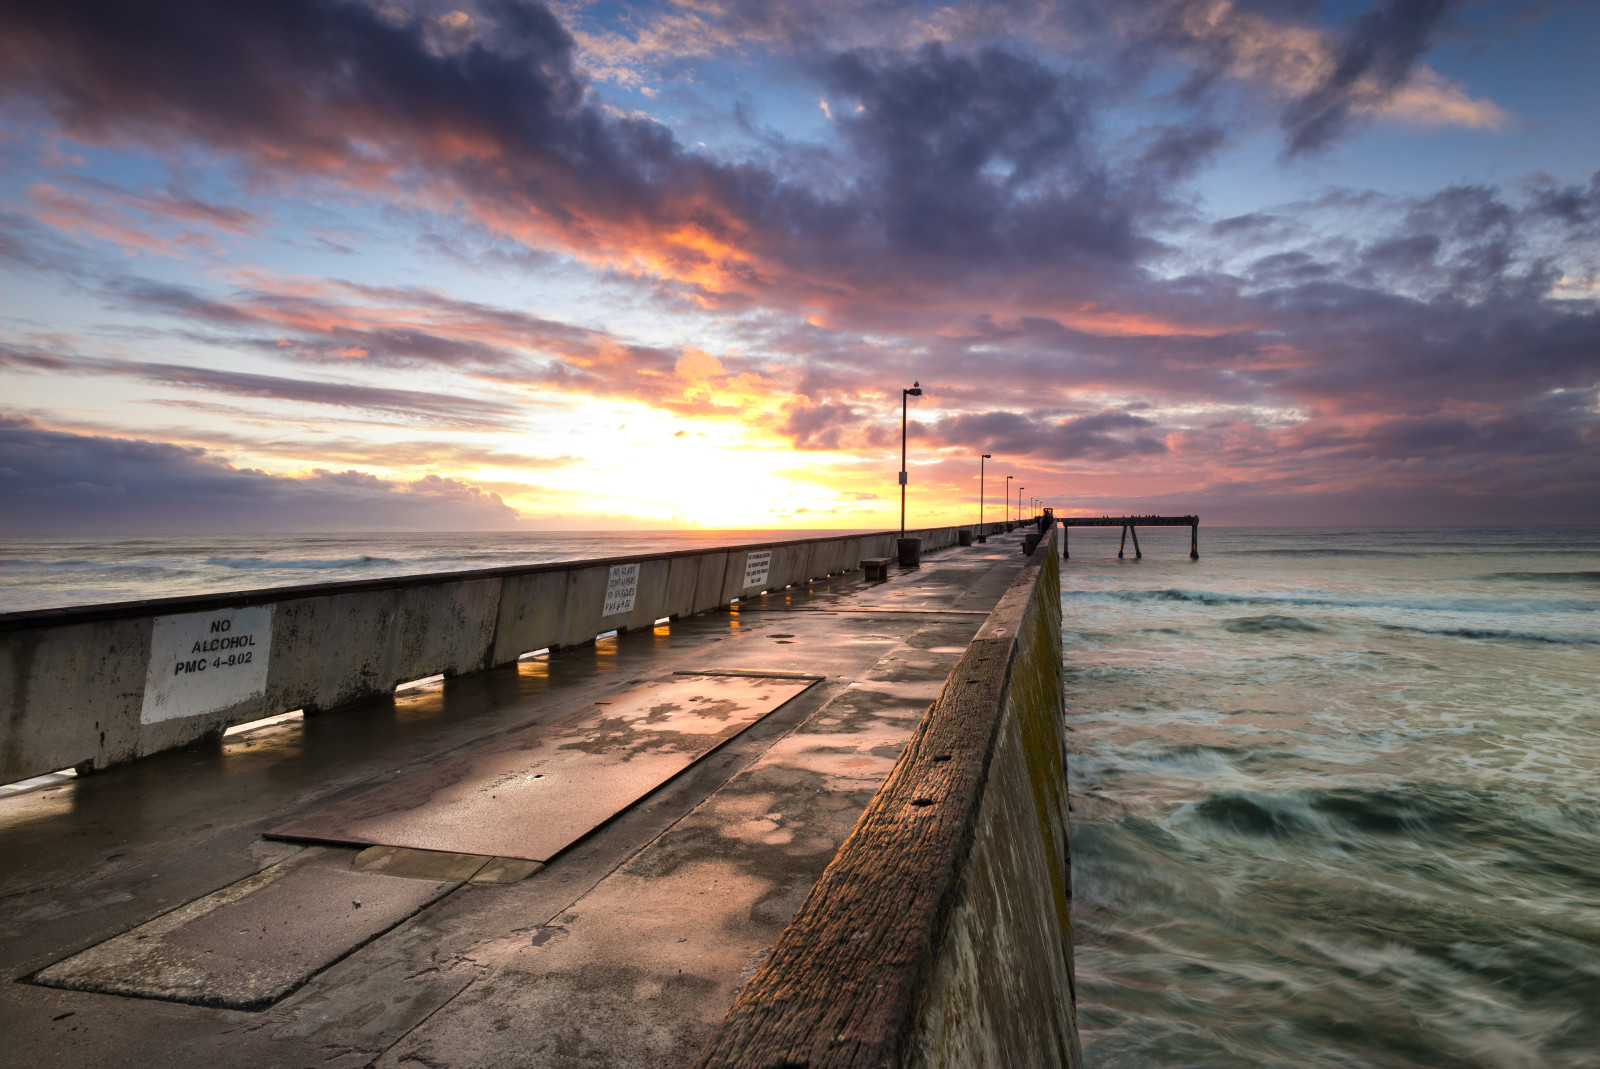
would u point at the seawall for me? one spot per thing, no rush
(940, 934)
(101, 685)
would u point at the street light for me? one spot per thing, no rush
(982, 537)
(1020, 488)
(914, 390)
(1008, 499)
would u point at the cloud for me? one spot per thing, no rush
(980, 213)
(412, 406)
(502, 124)
(59, 483)
(1104, 436)
(1375, 60)
(132, 220)
(1374, 69)
(976, 181)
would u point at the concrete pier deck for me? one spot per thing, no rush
(626, 948)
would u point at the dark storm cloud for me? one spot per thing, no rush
(1378, 56)
(59, 483)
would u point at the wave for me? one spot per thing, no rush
(258, 563)
(1212, 598)
(1495, 634)
(1332, 551)
(90, 570)
(1263, 625)
(1429, 810)
(1586, 578)
(42, 564)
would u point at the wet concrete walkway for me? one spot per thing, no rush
(625, 949)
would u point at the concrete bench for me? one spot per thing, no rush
(877, 568)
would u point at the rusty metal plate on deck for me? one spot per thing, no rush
(251, 943)
(533, 793)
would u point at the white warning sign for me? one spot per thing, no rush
(205, 661)
(622, 587)
(757, 564)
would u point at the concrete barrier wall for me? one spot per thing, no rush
(940, 933)
(98, 685)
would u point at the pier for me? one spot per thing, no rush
(1131, 525)
(805, 819)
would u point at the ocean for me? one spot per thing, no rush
(1336, 797)
(45, 573)
(1336, 793)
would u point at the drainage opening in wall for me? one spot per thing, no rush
(264, 722)
(33, 783)
(416, 683)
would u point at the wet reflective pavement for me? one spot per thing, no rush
(537, 791)
(626, 947)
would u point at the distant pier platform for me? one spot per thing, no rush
(1130, 525)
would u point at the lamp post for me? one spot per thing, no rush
(982, 536)
(914, 390)
(1020, 488)
(1008, 500)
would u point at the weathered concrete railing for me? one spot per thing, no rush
(939, 935)
(98, 685)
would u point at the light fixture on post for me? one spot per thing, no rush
(910, 549)
(1008, 501)
(982, 535)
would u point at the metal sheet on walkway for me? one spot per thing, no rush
(251, 943)
(533, 793)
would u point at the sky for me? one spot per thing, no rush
(283, 265)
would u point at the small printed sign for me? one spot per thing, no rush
(622, 587)
(205, 661)
(756, 566)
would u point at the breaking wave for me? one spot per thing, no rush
(1497, 634)
(1558, 578)
(256, 563)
